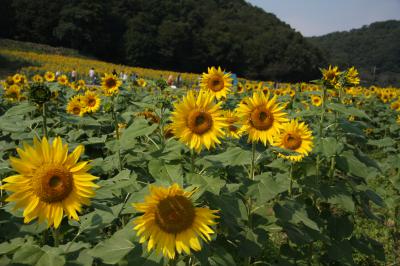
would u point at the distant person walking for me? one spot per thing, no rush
(92, 74)
(178, 80)
(114, 72)
(170, 80)
(73, 75)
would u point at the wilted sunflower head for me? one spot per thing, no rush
(39, 93)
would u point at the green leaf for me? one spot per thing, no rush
(338, 195)
(349, 163)
(51, 257)
(20, 109)
(385, 142)
(114, 249)
(28, 254)
(330, 146)
(267, 188)
(231, 157)
(295, 213)
(166, 174)
(205, 183)
(347, 110)
(138, 128)
(8, 247)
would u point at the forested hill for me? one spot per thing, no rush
(373, 48)
(184, 35)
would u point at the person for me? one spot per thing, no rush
(170, 80)
(58, 73)
(114, 72)
(124, 77)
(91, 75)
(133, 77)
(73, 75)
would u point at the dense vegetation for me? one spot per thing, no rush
(174, 35)
(373, 49)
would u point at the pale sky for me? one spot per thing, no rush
(318, 17)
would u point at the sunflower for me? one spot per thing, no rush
(296, 137)
(331, 75)
(37, 78)
(75, 106)
(316, 100)
(198, 121)
(240, 88)
(352, 77)
(149, 115)
(171, 223)
(91, 101)
(49, 76)
(62, 80)
(13, 93)
(233, 129)
(141, 82)
(261, 117)
(110, 84)
(395, 105)
(398, 119)
(49, 181)
(216, 82)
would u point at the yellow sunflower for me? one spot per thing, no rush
(261, 117)
(75, 106)
(62, 80)
(198, 121)
(296, 137)
(240, 88)
(171, 223)
(398, 119)
(233, 129)
(216, 82)
(110, 84)
(17, 78)
(141, 82)
(331, 75)
(49, 182)
(352, 77)
(316, 100)
(49, 76)
(13, 93)
(37, 78)
(91, 101)
(395, 105)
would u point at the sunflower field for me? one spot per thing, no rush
(209, 171)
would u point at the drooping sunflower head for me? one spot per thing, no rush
(49, 76)
(75, 106)
(110, 84)
(62, 80)
(216, 82)
(13, 93)
(49, 182)
(261, 117)
(39, 93)
(316, 100)
(91, 101)
(197, 121)
(295, 137)
(171, 223)
(352, 77)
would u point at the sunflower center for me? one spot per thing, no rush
(76, 110)
(52, 183)
(261, 118)
(292, 141)
(216, 83)
(91, 102)
(233, 128)
(199, 122)
(175, 214)
(110, 83)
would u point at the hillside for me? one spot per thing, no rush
(373, 48)
(167, 34)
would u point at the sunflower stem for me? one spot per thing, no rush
(192, 161)
(56, 236)
(253, 156)
(320, 131)
(115, 118)
(291, 180)
(44, 116)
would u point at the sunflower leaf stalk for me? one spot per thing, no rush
(44, 117)
(117, 136)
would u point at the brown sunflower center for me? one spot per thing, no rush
(52, 183)
(199, 122)
(91, 102)
(110, 83)
(292, 141)
(233, 128)
(175, 214)
(261, 118)
(76, 110)
(216, 83)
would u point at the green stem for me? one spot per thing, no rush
(291, 180)
(56, 236)
(192, 161)
(320, 130)
(44, 116)
(115, 118)
(253, 156)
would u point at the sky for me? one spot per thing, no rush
(319, 17)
